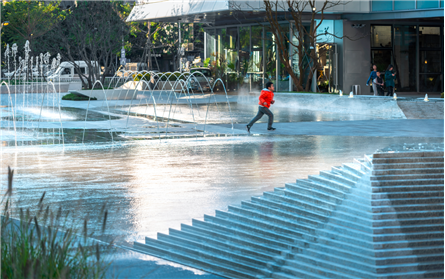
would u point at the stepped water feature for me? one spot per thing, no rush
(378, 217)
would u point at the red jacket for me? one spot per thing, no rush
(266, 96)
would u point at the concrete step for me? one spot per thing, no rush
(413, 275)
(338, 178)
(281, 214)
(263, 231)
(320, 269)
(406, 160)
(308, 198)
(313, 192)
(407, 201)
(408, 166)
(332, 269)
(354, 168)
(282, 227)
(309, 184)
(407, 188)
(283, 244)
(408, 244)
(408, 222)
(219, 268)
(408, 215)
(347, 173)
(297, 203)
(407, 171)
(415, 182)
(289, 208)
(365, 166)
(258, 244)
(413, 236)
(409, 229)
(407, 195)
(407, 208)
(224, 250)
(410, 259)
(418, 176)
(408, 154)
(336, 185)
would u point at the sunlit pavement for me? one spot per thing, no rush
(150, 186)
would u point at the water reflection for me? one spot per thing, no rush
(150, 187)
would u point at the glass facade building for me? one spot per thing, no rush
(250, 52)
(415, 50)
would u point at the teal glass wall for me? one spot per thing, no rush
(398, 5)
(381, 5)
(404, 5)
(427, 4)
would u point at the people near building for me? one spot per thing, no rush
(389, 80)
(380, 84)
(266, 100)
(372, 78)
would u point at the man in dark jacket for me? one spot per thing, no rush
(379, 83)
(266, 99)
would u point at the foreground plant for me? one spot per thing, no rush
(35, 246)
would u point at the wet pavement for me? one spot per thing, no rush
(151, 186)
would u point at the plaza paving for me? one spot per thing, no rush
(152, 185)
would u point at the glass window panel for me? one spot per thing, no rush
(430, 61)
(429, 37)
(255, 72)
(244, 54)
(441, 3)
(427, 4)
(210, 44)
(283, 75)
(405, 57)
(381, 5)
(380, 36)
(431, 83)
(381, 58)
(271, 57)
(404, 5)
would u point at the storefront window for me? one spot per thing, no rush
(430, 61)
(405, 58)
(210, 44)
(380, 36)
(429, 37)
(256, 63)
(244, 55)
(283, 75)
(270, 57)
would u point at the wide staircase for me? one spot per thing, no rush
(378, 217)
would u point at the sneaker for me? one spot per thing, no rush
(248, 128)
(271, 129)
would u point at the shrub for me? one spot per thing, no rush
(36, 247)
(74, 97)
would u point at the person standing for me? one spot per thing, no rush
(379, 84)
(389, 80)
(372, 78)
(266, 99)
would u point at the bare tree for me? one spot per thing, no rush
(306, 17)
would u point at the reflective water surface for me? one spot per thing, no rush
(149, 187)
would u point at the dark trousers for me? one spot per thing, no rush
(380, 90)
(390, 91)
(262, 111)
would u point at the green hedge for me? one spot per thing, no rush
(74, 97)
